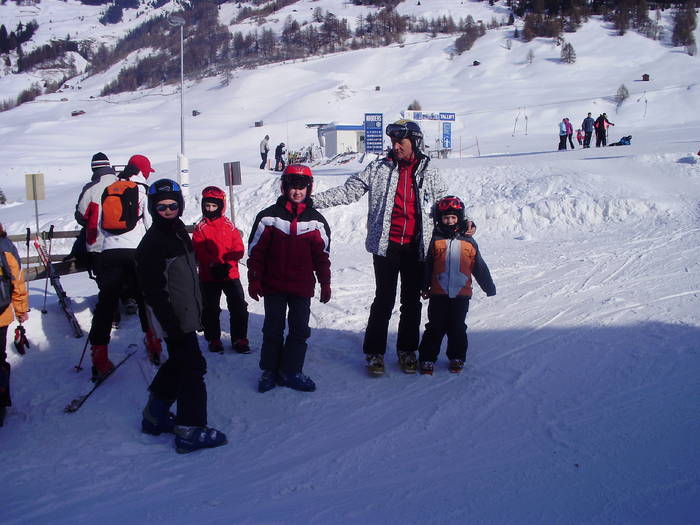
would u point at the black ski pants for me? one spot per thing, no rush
(400, 261)
(570, 137)
(600, 138)
(562, 142)
(263, 156)
(5, 400)
(445, 317)
(278, 353)
(181, 379)
(237, 309)
(587, 139)
(117, 270)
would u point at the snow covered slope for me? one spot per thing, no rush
(579, 400)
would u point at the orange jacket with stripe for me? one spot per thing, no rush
(452, 261)
(20, 297)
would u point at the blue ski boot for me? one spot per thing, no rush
(189, 439)
(296, 381)
(157, 418)
(267, 381)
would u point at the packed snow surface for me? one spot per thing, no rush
(579, 400)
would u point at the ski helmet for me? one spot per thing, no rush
(216, 196)
(449, 205)
(164, 189)
(407, 129)
(297, 175)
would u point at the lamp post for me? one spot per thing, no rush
(182, 162)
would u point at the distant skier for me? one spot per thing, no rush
(168, 275)
(562, 134)
(579, 137)
(264, 149)
(587, 126)
(18, 307)
(569, 132)
(279, 157)
(601, 130)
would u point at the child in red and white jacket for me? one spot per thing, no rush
(218, 247)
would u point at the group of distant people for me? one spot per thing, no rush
(584, 134)
(280, 152)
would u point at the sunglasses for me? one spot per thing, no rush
(172, 206)
(450, 203)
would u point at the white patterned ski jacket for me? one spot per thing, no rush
(380, 179)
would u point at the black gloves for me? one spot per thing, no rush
(220, 271)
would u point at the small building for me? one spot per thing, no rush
(336, 138)
(645, 77)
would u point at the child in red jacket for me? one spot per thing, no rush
(289, 243)
(218, 247)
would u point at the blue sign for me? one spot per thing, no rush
(447, 135)
(374, 132)
(447, 116)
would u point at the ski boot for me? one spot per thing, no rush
(407, 362)
(241, 346)
(3, 409)
(297, 381)
(216, 346)
(189, 439)
(157, 418)
(101, 365)
(426, 368)
(267, 381)
(456, 366)
(375, 364)
(153, 347)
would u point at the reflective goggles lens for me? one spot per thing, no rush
(172, 206)
(397, 131)
(450, 204)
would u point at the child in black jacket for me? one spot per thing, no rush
(168, 274)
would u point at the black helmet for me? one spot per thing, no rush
(164, 189)
(407, 129)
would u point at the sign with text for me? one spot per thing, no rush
(34, 185)
(374, 132)
(447, 135)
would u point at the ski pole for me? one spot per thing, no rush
(46, 281)
(28, 234)
(77, 367)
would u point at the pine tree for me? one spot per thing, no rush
(568, 55)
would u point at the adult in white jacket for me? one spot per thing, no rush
(402, 188)
(117, 269)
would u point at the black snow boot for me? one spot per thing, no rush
(157, 418)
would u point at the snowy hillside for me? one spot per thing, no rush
(579, 399)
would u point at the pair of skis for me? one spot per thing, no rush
(53, 277)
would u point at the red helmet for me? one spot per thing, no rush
(217, 196)
(297, 174)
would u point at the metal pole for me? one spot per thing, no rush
(36, 203)
(182, 91)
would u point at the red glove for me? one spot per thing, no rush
(255, 290)
(325, 292)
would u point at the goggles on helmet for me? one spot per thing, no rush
(403, 130)
(450, 203)
(162, 186)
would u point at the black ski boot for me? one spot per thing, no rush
(157, 418)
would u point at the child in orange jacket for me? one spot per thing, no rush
(218, 247)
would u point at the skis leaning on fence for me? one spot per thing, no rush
(74, 405)
(63, 298)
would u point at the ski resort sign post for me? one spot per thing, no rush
(444, 121)
(34, 185)
(374, 133)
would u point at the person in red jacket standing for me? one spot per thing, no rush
(218, 247)
(290, 242)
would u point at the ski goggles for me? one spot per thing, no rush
(172, 206)
(450, 203)
(401, 131)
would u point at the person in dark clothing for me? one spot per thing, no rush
(601, 130)
(453, 257)
(167, 272)
(289, 243)
(279, 157)
(587, 126)
(218, 247)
